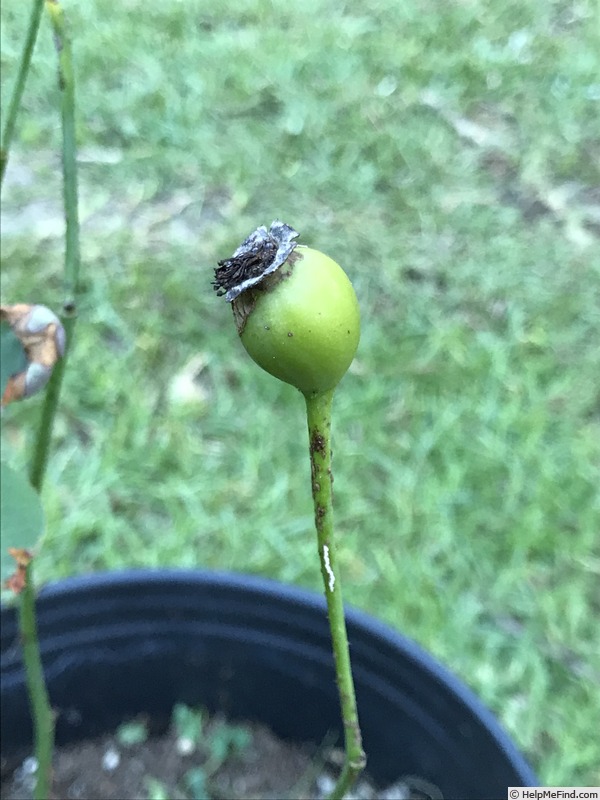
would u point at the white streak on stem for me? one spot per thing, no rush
(328, 567)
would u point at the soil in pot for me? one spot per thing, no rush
(197, 758)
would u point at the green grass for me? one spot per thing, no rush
(448, 156)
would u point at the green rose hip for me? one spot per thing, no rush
(299, 321)
(305, 324)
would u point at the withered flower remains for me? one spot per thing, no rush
(263, 252)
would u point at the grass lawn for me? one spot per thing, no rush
(448, 156)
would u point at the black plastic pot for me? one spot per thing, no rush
(118, 644)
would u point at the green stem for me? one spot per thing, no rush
(41, 710)
(42, 715)
(318, 411)
(41, 447)
(15, 100)
(72, 259)
(66, 81)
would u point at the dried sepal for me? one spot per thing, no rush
(263, 252)
(43, 339)
(18, 580)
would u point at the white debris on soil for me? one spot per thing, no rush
(111, 760)
(185, 746)
(407, 788)
(24, 779)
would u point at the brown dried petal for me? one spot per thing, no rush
(18, 580)
(43, 339)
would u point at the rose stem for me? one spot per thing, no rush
(318, 412)
(15, 100)
(41, 711)
(66, 82)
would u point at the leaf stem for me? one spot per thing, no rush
(39, 701)
(318, 412)
(15, 100)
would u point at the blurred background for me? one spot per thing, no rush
(448, 156)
